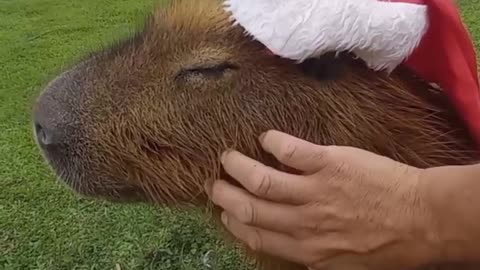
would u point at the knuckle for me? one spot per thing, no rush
(310, 224)
(306, 223)
(262, 182)
(340, 170)
(247, 213)
(287, 152)
(323, 154)
(318, 220)
(311, 228)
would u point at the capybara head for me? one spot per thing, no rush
(147, 119)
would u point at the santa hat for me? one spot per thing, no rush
(428, 36)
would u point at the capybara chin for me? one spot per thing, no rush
(147, 119)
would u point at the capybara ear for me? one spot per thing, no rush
(329, 66)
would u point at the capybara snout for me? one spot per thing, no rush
(65, 140)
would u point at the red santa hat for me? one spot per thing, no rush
(428, 36)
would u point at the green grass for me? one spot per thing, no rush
(42, 224)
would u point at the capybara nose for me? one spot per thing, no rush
(48, 131)
(53, 116)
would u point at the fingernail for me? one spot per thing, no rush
(224, 155)
(208, 187)
(224, 218)
(262, 137)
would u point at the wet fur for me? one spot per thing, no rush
(147, 128)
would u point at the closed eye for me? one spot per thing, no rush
(208, 72)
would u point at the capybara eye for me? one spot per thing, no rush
(206, 72)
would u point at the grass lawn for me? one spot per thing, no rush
(42, 224)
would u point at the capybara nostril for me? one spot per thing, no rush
(48, 124)
(44, 136)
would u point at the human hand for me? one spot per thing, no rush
(349, 207)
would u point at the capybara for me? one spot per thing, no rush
(146, 119)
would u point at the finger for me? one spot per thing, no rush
(266, 182)
(255, 212)
(294, 152)
(259, 240)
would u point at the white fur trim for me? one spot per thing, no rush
(382, 33)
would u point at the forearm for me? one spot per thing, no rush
(452, 194)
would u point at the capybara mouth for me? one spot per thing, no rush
(64, 142)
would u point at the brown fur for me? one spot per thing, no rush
(129, 125)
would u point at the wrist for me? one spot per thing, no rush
(424, 246)
(451, 226)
